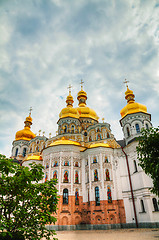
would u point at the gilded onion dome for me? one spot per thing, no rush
(26, 133)
(69, 111)
(64, 141)
(132, 106)
(83, 110)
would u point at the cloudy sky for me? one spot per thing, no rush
(45, 45)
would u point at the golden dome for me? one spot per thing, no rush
(33, 157)
(86, 112)
(83, 110)
(100, 145)
(26, 133)
(132, 106)
(69, 111)
(64, 141)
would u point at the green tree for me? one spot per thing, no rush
(148, 155)
(26, 206)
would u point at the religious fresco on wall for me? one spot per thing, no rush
(76, 164)
(55, 174)
(46, 176)
(47, 165)
(109, 194)
(95, 160)
(65, 179)
(106, 159)
(66, 163)
(95, 175)
(76, 177)
(76, 197)
(107, 175)
(55, 164)
(98, 137)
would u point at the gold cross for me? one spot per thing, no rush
(126, 82)
(81, 84)
(69, 87)
(103, 120)
(30, 111)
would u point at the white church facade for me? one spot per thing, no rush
(100, 183)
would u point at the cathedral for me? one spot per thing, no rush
(100, 183)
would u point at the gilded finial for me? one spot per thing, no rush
(103, 120)
(81, 84)
(56, 133)
(126, 82)
(49, 135)
(43, 133)
(30, 110)
(39, 132)
(69, 87)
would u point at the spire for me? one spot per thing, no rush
(81, 85)
(82, 96)
(129, 95)
(69, 99)
(28, 120)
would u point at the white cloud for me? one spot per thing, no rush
(47, 45)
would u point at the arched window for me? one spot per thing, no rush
(137, 128)
(16, 152)
(142, 206)
(65, 129)
(72, 129)
(155, 204)
(128, 132)
(85, 133)
(65, 196)
(108, 136)
(147, 126)
(97, 198)
(135, 166)
(24, 152)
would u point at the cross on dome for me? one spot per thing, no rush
(126, 81)
(82, 84)
(30, 110)
(69, 87)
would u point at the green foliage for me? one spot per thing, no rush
(148, 155)
(26, 205)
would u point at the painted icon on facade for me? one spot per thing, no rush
(55, 175)
(65, 180)
(47, 165)
(106, 160)
(107, 175)
(95, 175)
(98, 137)
(55, 164)
(66, 163)
(109, 194)
(95, 160)
(76, 197)
(76, 177)
(76, 164)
